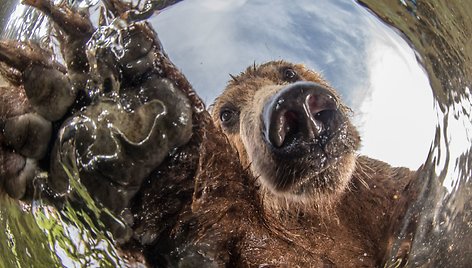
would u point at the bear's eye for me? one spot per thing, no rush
(289, 75)
(228, 117)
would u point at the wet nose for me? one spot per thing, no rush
(302, 111)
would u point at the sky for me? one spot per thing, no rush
(374, 69)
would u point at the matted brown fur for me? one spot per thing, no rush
(350, 228)
(227, 224)
(246, 94)
(205, 208)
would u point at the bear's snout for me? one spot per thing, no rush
(303, 112)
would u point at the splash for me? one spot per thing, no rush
(77, 235)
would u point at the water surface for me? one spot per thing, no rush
(404, 67)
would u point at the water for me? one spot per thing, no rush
(407, 76)
(438, 227)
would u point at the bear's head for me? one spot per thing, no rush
(291, 128)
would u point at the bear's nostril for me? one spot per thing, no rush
(322, 108)
(318, 103)
(325, 117)
(291, 121)
(283, 125)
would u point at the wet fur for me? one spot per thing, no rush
(248, 92)
(233, 226)
(221, 216)
(15, 169)
(345, 225)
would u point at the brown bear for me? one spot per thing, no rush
(290, 127)
(292, 133)
(273, 181)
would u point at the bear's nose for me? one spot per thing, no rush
(302, 111)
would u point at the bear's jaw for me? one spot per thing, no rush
(304, 196)
(311, 168)
(303, 178)
(314, 179)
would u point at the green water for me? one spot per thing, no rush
(39, 235)
(24, 243)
